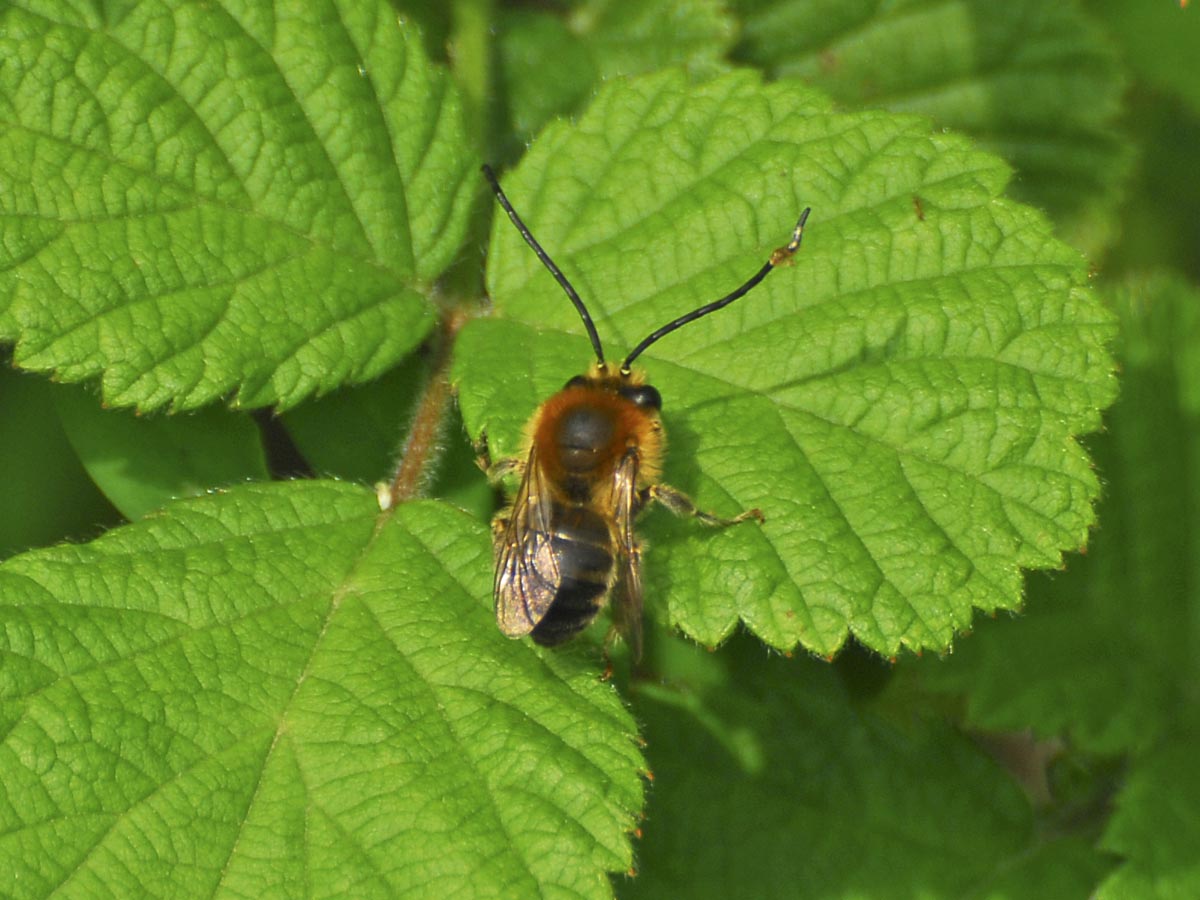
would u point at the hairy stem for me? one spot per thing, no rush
(421, 451)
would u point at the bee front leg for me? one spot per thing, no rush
(499, 469)
(502, 468)
(683, 505)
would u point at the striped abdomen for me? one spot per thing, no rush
(582, 546)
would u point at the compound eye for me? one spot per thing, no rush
(643, 395)
(577, 381)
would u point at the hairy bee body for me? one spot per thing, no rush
(583, 550)
(567, 544)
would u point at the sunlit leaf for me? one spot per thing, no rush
(203, 199)
(278, 690)
(901, 403)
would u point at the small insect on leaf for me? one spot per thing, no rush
(592, 461)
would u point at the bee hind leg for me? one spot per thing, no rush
(683, 505)
(499, 526)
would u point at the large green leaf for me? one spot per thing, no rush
(200, 199)
(279, 691)
(1035, 82)
(901, 403)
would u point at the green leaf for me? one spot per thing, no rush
(1106, 652)
(901, 403)
(141, 462)
(770, 766)
(1155, 826)
(47, 495)
(433, 18)
(1035, 82)
(200, 199)
(550, 64)
(280, 691)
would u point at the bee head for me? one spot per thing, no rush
(627, 385)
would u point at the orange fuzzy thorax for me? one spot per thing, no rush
(630, 426)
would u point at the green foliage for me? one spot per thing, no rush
(1083, 641)
(47, 493)
(549, 64)
(737, 768)
(1161, 228)
(280, 688)
(1106, 654)
(141, 462)
(1155, 827)
(1159, 41)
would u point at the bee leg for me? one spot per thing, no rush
(499, 526)
(607, 674)
(483, 456)
(683, 505)
(502, 468)
(499, 469)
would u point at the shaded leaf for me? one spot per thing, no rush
(1156, 827)
(141, 462)
(1159, 225)
(355, 432)
(47, 495)
(792, 789)
(1159, 40)
(358, 433)
(550, 64)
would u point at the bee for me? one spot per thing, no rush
(593, 460)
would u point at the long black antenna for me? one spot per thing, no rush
(782, 256)
(547, 262)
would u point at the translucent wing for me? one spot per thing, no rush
(627, 592)
(527, 575)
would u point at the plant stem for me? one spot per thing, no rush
(420, 453)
